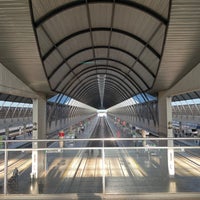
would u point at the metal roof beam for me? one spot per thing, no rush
(88, 30)
(90, 86)
(119, 62)
(73, 4)
(102, 47)
(101, 67)
(118, 81)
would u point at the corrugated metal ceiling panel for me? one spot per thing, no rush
(182, 47)
(41, 7)
(19, 52)
(66, 23)
(162, 7)
(74, 44)
(143, 26)
(101, 15)
(132, 30)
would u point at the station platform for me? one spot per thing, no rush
(13, 144)
(120, 174)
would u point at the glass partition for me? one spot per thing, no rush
(117, 166)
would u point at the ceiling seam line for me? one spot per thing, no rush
(37, 40)
(87, 88)
(108, 53)
(123, 74)
(111, 27)
(115, 79)
(119, 62)
(93, 80)
(110, 79)
(147, 43)
(164, 42)
(113, 61)
(91, 34)
(61, 56)
(119, 31)
(142, 51)
(70, 5)
(111, 47)
(90, 28)
(114, 70)
(53, 43)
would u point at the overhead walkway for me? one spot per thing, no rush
(100, 54)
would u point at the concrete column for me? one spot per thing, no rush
(180, 130)
(7, 133)
(198, 134)
(171, 168)
(39, 132)
(24, 130)
(144, 135)
(162, 114)
(165, 128)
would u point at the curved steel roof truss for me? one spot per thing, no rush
(102, 47)
(116, 68)
(91, 89)
(114, 88)
(101, 67)
(73, 4)
(118, 88)
(108, 59)
(131, 35)
(118, 81)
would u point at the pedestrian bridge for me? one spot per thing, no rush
(69, 59)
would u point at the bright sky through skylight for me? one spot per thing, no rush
(65, 100)
(141, 98)
(15, 104)
(62, 99)
(186, 102)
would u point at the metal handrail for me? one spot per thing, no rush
(164, 146)
(102, 139)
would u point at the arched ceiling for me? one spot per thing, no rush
(100, 52)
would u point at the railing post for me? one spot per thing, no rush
(5, 167)
(103, 167)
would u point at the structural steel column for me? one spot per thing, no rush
(39, 132)
(165, 128)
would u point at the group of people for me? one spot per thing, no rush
(80, 129)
